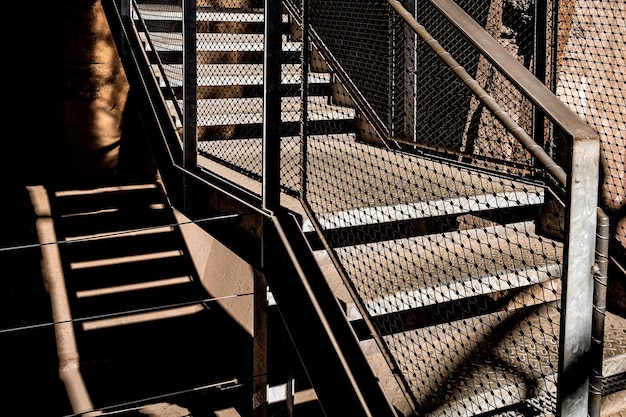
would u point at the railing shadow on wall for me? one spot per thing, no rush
(457, 108)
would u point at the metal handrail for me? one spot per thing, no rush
(580, 194)
(510, 67)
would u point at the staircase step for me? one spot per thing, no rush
(76, 201)
(124, 245)
(169, 21)
(434, 269)
(249, 90)
(220, 42)
(231, 55)
(247, 111)
(122, 302)
(115, 221)
(155, 11)
(119, 272)
(288, 128)
(237, 74)
(372, 224)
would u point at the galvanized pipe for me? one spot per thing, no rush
(522, 136)
(599, 313)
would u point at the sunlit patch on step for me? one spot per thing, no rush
(168, 313)
(70, 193)
(125, 259)
(133, 287)
(153, 206)
(107, 235)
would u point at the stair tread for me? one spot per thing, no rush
(441, 188)
(160, 267)
(129, 302)
(250, 111)
(238, 75)
(457, 373)
(131, 244)
(439, 268)
(220, 42)
(169, 12)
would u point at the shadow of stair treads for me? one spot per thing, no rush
(114, 221)
(157, 357)
(90, 200)
(137, 300)
(125, 245)
(127, 273)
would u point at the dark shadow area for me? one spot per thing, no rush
(187, 350)
(29, 383)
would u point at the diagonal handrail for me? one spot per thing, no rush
(580, 189)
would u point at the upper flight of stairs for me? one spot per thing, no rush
(230, 73)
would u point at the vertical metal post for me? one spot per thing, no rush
(190, 77)
(270, 185)
(271, 105)
(304, 95)
(259, 362)
(539, 65)
(576, 320)
(599, 313)
(125, 8)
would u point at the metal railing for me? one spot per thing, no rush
(454, 192)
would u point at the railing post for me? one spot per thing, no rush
(270, 189)
(576, 320)
(259, 362)
(271, 105)
(190, 78)
(125, 8)
(599, 313)
(539, 65)
(304, 96)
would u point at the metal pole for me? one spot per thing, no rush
(304, 96)
(599, 313)
(271, 105)
(259, 343)
(539, 66)
(125, 8)
(576, 319)
(190, 77)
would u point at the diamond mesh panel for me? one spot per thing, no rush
(161, 32)
(431, 217)
(590, 78)
(442, 225)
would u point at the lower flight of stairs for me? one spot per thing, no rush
(142, 325)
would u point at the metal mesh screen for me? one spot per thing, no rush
(445, 229)
(431, 218)
(230, 83)
(590, 78)
(160, 26)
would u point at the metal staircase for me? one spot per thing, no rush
(455, 297)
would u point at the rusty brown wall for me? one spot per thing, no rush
(93, 92)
